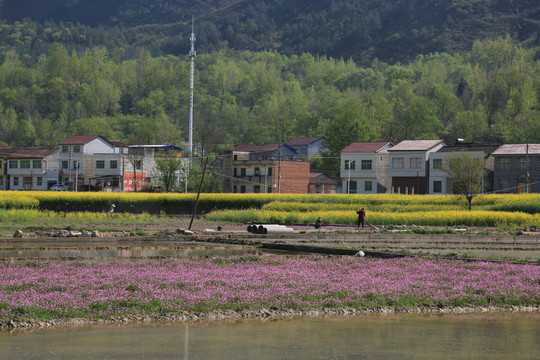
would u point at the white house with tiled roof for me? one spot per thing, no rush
(91, 161)
(28, 168)
(408, 165)
(364, 168)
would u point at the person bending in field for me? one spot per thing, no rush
(361, 218)
(318, 223)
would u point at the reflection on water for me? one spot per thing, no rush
(128, 251)
(402, 336)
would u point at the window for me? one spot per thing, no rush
(16, 181)
(437, 164)
(243, 172)
(269, 191)
(25, 164)
(234, 190)
(349, 164)
(1, 164)
(398, 163)
(114, 164)
(235, 157)
(437, 186)
(121, 150)
(65, 148)
(269, 172)
(100, 164)
(504, 163)
(504, 184)
(76, 164)
(242, 189)
(65, 164)
(138, 165)
(13, 164)
(235, 172)
(77, 148)
(523, 163)
(416, 163)
(368, 186)
(1, 181)
(36, 164)
(257, 171)
(39, 181)
(27, 182)
(366, 165)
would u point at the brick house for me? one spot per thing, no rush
(264, 168)
(364, 167)
(319, 183)
(517, 168)
(439, 183)
(28, 168)
(408, 165)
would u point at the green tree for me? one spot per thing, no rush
(168, 166)
(466, 173)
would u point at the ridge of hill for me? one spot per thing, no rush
(388, 30)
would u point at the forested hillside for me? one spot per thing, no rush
(364, 30)
(490, 94)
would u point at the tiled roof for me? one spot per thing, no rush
(256, 147)
(517, 149)
(118, 144)
(28, 152)
(303, 141)
(416, 145)
(370, 147)
(80, 139)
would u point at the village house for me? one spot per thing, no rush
(91, 162)
(517, 168)
(408, 165)
(28, 168)
(264, 168)
(140, 165)
(364, 167)
(307, 147)
(440, 183)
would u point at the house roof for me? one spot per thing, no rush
(517, 149)
(81, 139)
(28, 152)
(416, 145)
(365, 147)
(259, 147)
(303, 141)
(119, 144)
(487, 149)
(320, 178)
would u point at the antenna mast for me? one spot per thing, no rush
(192, 54)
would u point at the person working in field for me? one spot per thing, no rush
(361, 217)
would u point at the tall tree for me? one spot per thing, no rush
(466, 173)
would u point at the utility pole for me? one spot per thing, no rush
(192, 55)
(527, 163)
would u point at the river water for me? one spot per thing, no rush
(395, 336)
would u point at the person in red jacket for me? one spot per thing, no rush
(361, 217)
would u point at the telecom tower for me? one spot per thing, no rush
(192, 54)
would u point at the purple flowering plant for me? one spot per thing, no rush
(46, 289)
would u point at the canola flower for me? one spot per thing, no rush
(94, 289)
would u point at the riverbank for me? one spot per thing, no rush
(22, 323)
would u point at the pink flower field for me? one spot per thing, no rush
(99, 289)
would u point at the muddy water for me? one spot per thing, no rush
(401, 336)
